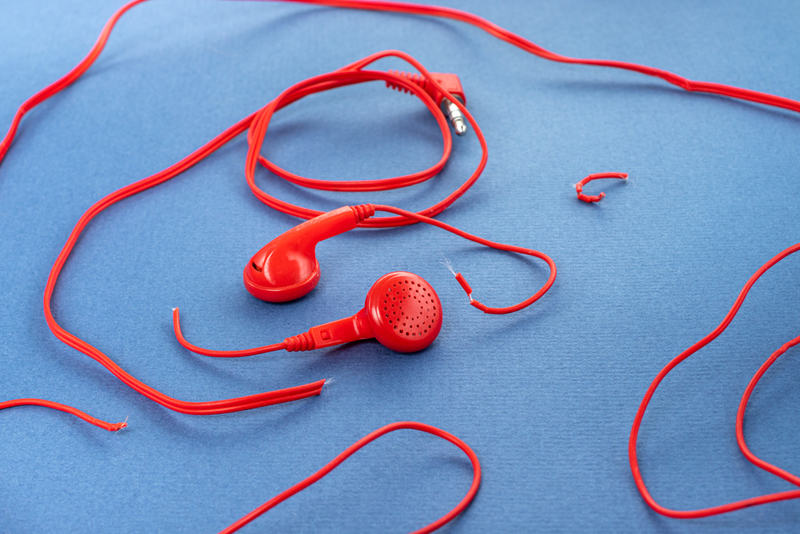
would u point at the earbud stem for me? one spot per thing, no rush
(321, 227)
(342, 331)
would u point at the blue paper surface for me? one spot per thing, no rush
(545, 397)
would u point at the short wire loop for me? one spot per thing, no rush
(598, 176)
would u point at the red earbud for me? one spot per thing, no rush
(401, 311)
(287, 267)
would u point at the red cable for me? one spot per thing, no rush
(67, 80)
(499, 246)
(740, 418)
(598, 176)
(176, 324)
(333, 464)
(634, 462)
(528, 46)
(112, 427)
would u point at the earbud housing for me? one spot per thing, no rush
(287, 267)
(401, 311)
(404, 311)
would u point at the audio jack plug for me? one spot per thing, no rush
(448, 82)
(452, 112)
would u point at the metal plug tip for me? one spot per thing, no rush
(457, 120)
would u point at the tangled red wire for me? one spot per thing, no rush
(350, 75)
(355, 73)
(257, 124)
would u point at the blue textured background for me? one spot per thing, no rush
(545, 397)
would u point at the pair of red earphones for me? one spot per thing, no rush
(401, 311)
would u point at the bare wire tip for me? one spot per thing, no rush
(328, 381)
(447, 264)
(120, 426)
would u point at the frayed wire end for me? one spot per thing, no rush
(447, 264)
(119, 426)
